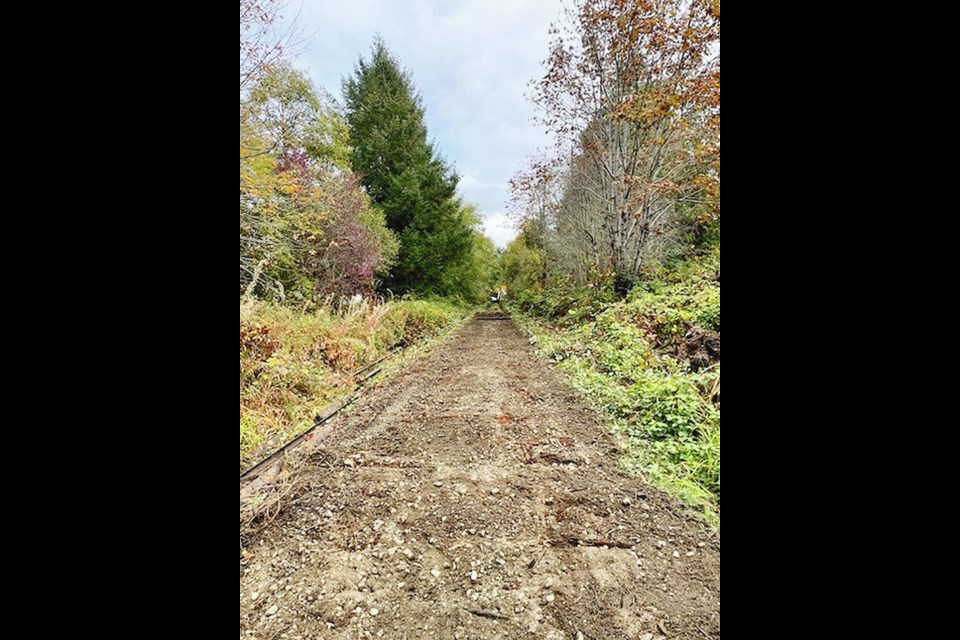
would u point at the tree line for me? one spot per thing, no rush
(345, 201)
(631, 94)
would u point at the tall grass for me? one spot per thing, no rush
(295, 364)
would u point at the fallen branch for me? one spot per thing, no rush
(484, 614)
(552, 458)
(256, 278)
(577, 542)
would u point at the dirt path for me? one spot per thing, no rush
(477, 497)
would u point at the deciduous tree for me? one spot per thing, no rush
(307, 228)
(632, 92)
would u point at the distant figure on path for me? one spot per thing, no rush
(498, 297)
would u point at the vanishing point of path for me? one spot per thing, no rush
(477, 497)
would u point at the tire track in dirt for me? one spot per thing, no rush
(478, 497)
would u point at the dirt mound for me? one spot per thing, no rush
(477, 497)
(701, 347)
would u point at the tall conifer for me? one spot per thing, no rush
(403, 173)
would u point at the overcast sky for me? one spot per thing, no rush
(471, 60)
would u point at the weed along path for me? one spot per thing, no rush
(476, 497)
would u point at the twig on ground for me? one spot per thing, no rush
(577, 542)
(484, 614)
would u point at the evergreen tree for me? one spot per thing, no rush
(403, 174)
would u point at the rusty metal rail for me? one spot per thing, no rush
(256, 469)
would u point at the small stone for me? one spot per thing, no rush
(676, 554)
(474, 576)
(646, 636)
(350, 463)
(435, 573)
(374, 612)
(254, 596)
(438, 485)
(627, 502)
(551, 598)
(272, 611)
(690, 554)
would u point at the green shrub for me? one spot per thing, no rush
(620, 355)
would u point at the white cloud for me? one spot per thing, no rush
(471, 60)
(500, 229)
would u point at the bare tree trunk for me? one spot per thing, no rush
(256, 278)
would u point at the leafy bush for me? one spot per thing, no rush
(307, 227)
(688, 297)
(565, 304)
(422, 318)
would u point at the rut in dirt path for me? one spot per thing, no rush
(477, 497)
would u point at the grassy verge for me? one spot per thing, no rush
(651, 364)
(293, 365)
